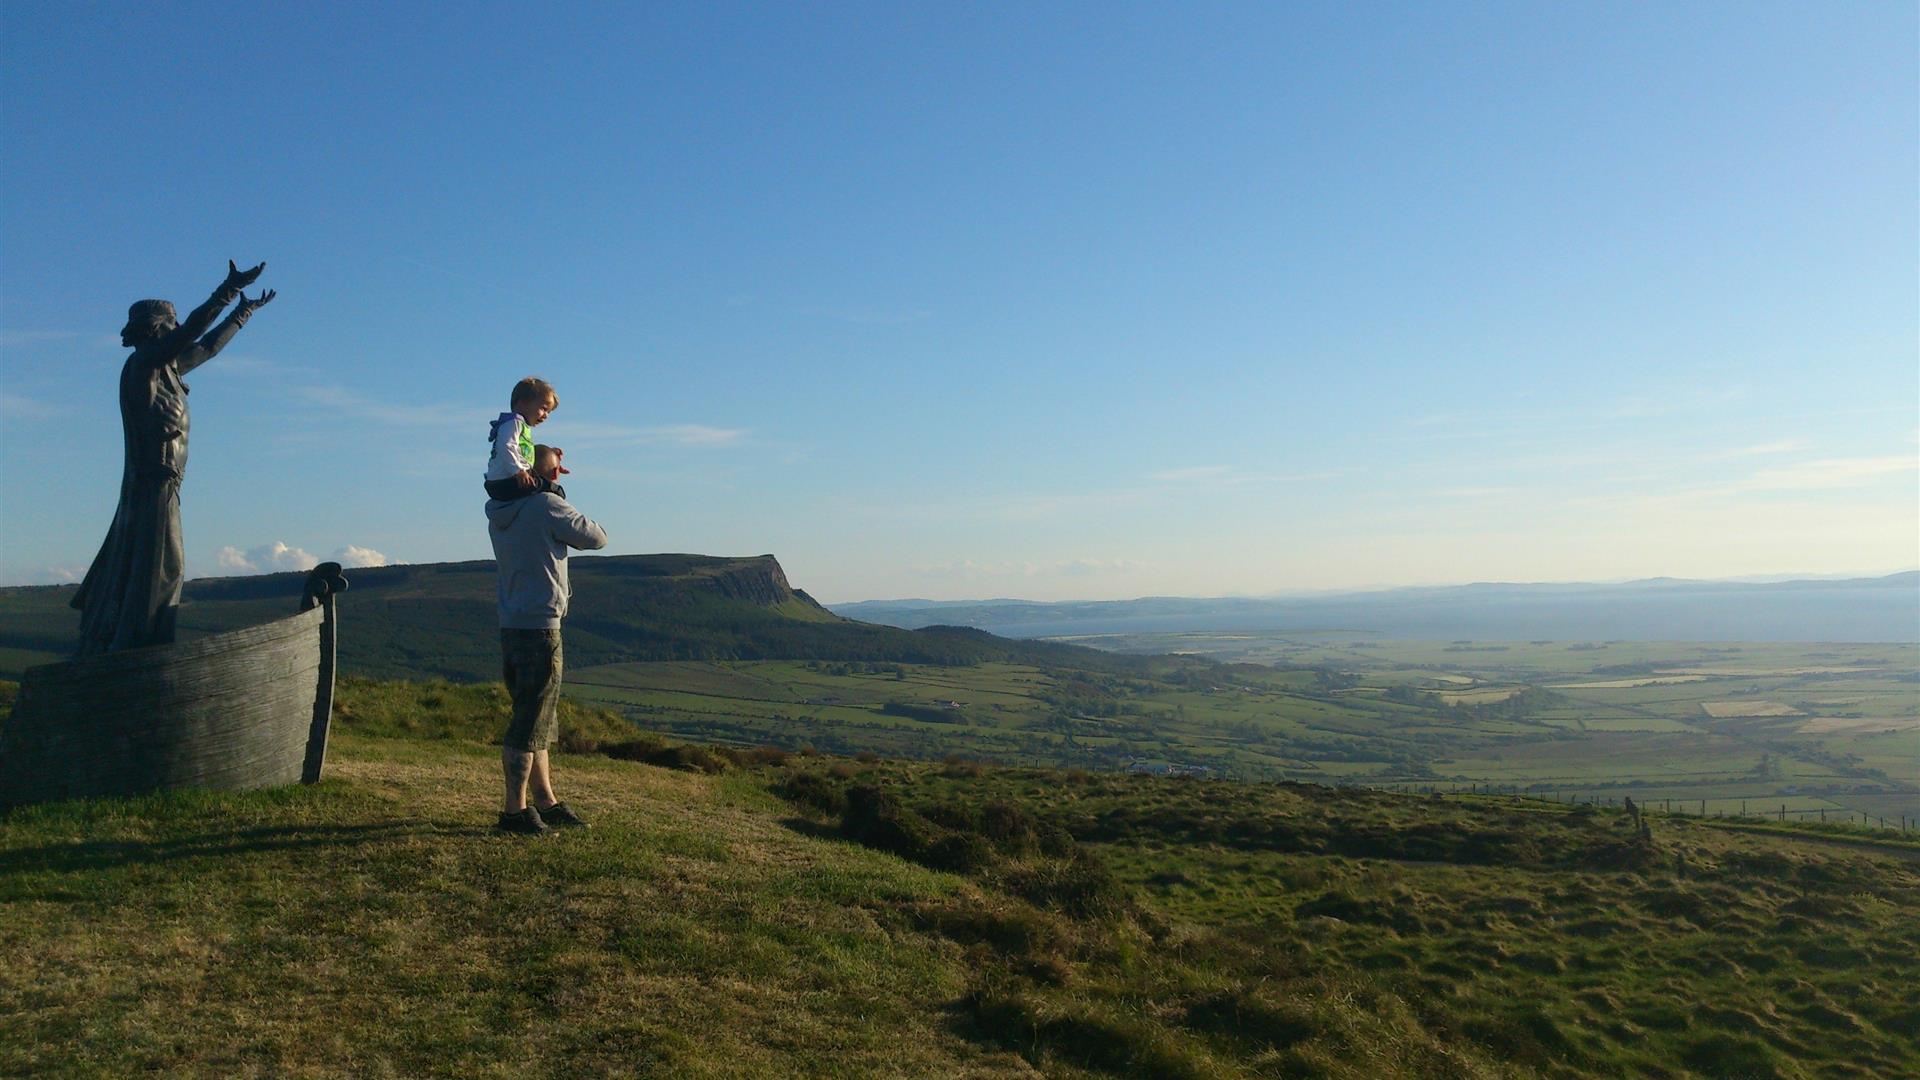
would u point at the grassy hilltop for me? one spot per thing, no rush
(772, 914)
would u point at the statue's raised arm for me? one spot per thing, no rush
(216, 339)
(158, 315)
(132, 591)
(191, 344)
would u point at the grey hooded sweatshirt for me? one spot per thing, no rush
(530, 541)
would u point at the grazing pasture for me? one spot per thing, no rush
(1820, 732)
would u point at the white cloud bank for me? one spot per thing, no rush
(353, 555)
(279, 557)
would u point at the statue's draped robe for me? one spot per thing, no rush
(131, 594)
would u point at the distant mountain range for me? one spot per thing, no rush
(439, 619)
(1877, 609)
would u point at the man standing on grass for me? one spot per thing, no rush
(530, 541)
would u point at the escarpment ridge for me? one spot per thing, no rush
(439, 619)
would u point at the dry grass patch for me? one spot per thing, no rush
(1478, 697)
(1628, 684)
(1723, 710)
(1830, 724)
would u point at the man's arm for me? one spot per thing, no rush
(573, 528)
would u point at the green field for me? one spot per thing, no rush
(1814, 732)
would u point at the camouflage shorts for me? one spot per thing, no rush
(531, 662)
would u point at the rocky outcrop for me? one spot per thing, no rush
(678, 579)
(755, 581)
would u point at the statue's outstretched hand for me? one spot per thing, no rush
(240, 279)
(260, 301)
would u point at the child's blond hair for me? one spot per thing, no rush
(533, 388)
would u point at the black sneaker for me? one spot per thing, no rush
(561, 816)
(525, 823)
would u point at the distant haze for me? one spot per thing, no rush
(1884, 609)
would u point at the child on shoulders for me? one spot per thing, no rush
(510, 465)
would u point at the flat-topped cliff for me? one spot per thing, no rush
(440, 618)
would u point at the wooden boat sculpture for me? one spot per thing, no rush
(247, 708)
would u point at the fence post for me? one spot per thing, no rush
(1783, 812)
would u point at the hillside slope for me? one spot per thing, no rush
(439, 619)
(805, 916)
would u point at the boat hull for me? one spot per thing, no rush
(235, 710)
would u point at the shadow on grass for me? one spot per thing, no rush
(83, 855)
(815, 829)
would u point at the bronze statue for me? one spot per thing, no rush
(131, 594)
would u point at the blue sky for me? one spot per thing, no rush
(1054, 301)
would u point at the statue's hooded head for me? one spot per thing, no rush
(146, 320)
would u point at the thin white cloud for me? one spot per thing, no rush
(14, 339)
(17, 339)
(972, 570)
(1075, 503)
(866, 316)
(662, 434)
(698, 435)
(1445, 429)
(1226, 475)
(53, 575)
(1827, 473)
(1635, 408)
(1783, 446)
(1670, 401)
(1196, 472)
(18, 407)
(1291, 478)
(1092, 567)
(1027, 506)
(247, 364)
(438, 414)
